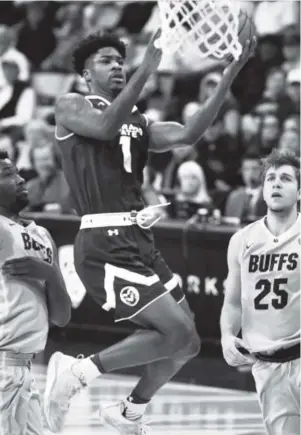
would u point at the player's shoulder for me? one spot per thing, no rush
(97, 101)
(43, 232)
(252, 227)
(70, 101)
(246, 232)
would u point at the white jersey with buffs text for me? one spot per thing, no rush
(23, 303)
(270, 284)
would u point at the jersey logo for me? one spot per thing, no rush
(131, 130)
(248, 246)
(129, 296)
(32, 244)
(113, 232)
(273, 262)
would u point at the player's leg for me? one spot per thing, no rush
(277, 386)
(13, 398)
(126, 416)
(34, 412)
(170, 332)
(156, 375)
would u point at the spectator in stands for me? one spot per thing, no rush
(6, 145)
(9, 53)
(103, 15)
(179, 154)
(274, 87)
(249, 131)
(273, 17)
(290, 141)
(219, 156)
(249, 85)
(292, 89)
(192, 193)
(269, 134)
(17, 100)
(49, 191)
(292, 123)
(37, 134)
(291, 50)
(68, 34)
(246, 203)
(35, 37)
(229, 111)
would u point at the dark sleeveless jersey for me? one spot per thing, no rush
(106, 176)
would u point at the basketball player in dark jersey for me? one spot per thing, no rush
(104, 141)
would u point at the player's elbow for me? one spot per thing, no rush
(189, 138)
(61, 318)
(60, 313)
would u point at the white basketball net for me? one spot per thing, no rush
(200, 28)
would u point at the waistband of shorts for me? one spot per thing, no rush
(17, 359)
(281, 355)
(101, 220)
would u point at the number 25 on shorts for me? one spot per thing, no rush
(125, 142)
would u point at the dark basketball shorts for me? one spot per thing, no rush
(122, 271)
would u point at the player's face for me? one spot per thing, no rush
(13, 195)
(280, 188)
(107, 70)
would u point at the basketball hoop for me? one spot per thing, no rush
(200, 28)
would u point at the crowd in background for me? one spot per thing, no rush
(222, 171)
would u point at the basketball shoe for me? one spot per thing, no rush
(113, 417)
(63, 382)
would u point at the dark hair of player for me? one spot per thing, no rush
(3, 155)
(280, 158)
(92, 44)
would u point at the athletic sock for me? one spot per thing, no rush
(134, 407)
(87, 368)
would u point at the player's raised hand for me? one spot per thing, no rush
(28, 267)
(232, 355)
(248, 51)
(153, 54)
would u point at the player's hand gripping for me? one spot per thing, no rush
(28, 267)
(247, 52)
(153, 54)
(232, 355)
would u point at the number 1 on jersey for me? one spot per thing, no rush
(125, 142)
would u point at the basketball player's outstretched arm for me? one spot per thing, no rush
(167, 135)
(74, 113)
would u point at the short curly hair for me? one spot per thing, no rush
(91, 44)
(279, 158)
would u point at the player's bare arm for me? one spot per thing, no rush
(76, 115)
(231, 316)
(59, 303)
(166, 135)
(232, 311)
